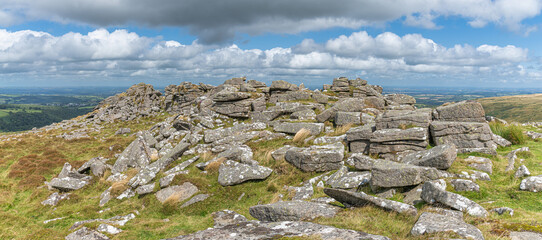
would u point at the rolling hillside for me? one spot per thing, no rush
(519, 108)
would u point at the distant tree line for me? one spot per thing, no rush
(21, 121)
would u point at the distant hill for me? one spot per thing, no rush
(519, 108)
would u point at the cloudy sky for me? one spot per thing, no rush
(481, 43)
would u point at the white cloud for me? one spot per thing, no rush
(221, 21)
(117, 54)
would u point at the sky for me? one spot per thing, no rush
(413, 43)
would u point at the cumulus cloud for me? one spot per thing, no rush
(104, 54)
(221, 21)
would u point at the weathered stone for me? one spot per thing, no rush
(502, 210)
(480, 163)
(391, 174)
(347, 180)
(292, 211)
(54, 198)
(531, 184)
(361, 161)
(229, 96)
(359, 199)
(291, 96)
(233, 226)
(128, 193)
(282, 85)
(343, 118)
(399, 99)
(413, 196)
(236, 109)
(525, 236)
(279, 153)
(320, 97)
(375, 102)
(533, 135)
(466, 136)
(122, 131)
(136, 155)
(439, 157)
(106, 228)
(326, 115)
(96, 165)
(330, 139)
(178, 192)
(349, 105)
(238, 153)
(302, 193)
(256, 84)
(361, 146)
(512, 156)
(434, 191)
(182, 165)
(474, 175)
(522, 172)
(462, 185)
(404, 119)
(68, 183)
(464, 111)
(233, 173)
(85, 233)
(430, 223)
(397, 135)
(501, 141)
(195, 199)
(236, 81)
(105, 197)
(364, 132)
(145, 189)
(293, 128)
(316, 158)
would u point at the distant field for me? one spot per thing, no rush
(519, 108)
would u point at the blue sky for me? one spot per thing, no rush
(453, 43)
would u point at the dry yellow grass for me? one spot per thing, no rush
(213, 167)
(340, 130)
(118, 187)
(301, 135)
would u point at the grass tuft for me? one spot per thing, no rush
(301, 135)
(512, 133)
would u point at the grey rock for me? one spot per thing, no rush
(293, 128)
(282, 85)
(399, 99)
(292, 211)
(238, 153)
(195, 199)
(464, 111)
(182, 165)
(182, 125)
(347, 180)
(439, 157)
(136, 155)
(235, 81)
(364, 132)
(361, 146)
(475, 175)
(361, 161)
(330, 139)
(466, 136)
(501, 141)
(256, 84)
(128, 193)
(387, 193)
(525, 236)
(320, 97)
(96, 165)
(326, 115)
(85, 233)
(349, 105)
(391, 174)
(359, 199)
(279, 153)
(404, 118)
(233, 173)
(106, 228)
(304, 115)
(233, 226)
(236, 109)
(145, 189)
(291, 96)
(522, 172)
(413, 196)
(213, 135)
(462, 185)
(430, 223)
(229, 96)
(434, 191)
(316, 158)
(502, 210)
(179, 192)
(480, 163)
(302, 193)
(397, 135)
(533, 135)
(344, 118)
(122, 131)
(512, 156)
(105, 197)
(531, 184)
(54, 198)
(68, 183)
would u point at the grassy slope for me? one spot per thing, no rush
(25, 164)
(520, 108)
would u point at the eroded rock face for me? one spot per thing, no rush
(233, 226)
(359, 199)
(316, 158)
(466, 136)
(388, 142)
(361, 161)
(462, 185)
(293, 128)
(430, 223)
(85, 233)
(434, 191)
(292, 211)
(345, 179)
(136, 155)
(232, 173)
(179, 192)
(404, 118)
(464, 111)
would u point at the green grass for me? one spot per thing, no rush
(512, 133)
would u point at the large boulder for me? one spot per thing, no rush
(388, 142)
(399, 99)
(360, 199)
(316, 158)
(178, 192)
(85, 233)
(531, 184)
(281, 85)
(404, 119)
(466, 136)
(361, 161)
(435, 192)
(439, 157)
(236, 109)
(213, 135)
(292, 211)
(136, 155)
(230, 96)
(344, 118)
(294, 127)
(96, 165)
(233, 173)
(433, 223)
(464, 111)
(392, 174)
